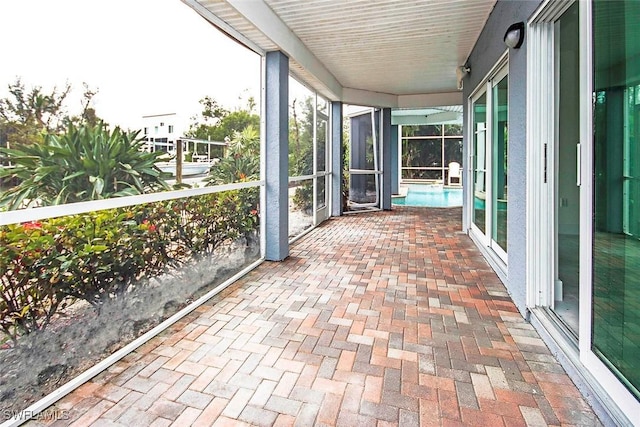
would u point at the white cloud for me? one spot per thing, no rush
(144, 56)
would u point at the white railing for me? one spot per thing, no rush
(45, 212)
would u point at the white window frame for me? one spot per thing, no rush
(441, 138)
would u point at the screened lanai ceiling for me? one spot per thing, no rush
(390, 53)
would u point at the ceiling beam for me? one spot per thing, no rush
(369, 98)
(380, 99)
(443, 117)
(430, 100)
(264, 19)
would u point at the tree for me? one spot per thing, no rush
(218, 124)
(26, 116)
(212, 110)
(88, 114)
(87, 162)
(301, 138)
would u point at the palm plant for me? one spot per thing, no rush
(245, 143)
(87, 162)
(242, 162)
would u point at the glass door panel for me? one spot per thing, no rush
(308, 158)
(479, 162)
(322, 152)
(567, 192)
(364, 166)
(616, 240)
(500, 133)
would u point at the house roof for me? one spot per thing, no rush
(385, 53)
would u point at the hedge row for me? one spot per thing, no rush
(102, 255)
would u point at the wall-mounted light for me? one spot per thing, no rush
(461, 72)
(514, 35)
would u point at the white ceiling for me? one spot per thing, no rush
(370, 52)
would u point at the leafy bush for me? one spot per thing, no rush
(87, 162)
(303, 197)
(236, 216)
(103, 255)
(29, 295)
(242, 164)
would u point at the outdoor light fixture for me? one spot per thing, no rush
(514, 35)
(460, 73)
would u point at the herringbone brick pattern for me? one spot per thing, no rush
(384, 319)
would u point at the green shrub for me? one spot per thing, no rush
(103, 255)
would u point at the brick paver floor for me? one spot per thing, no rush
(389, 318)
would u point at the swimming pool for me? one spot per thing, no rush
(435, 196)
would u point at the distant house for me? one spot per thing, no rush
(163, 131)
(159, 130)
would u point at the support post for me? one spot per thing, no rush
(395, 152)
(276, 156)
(179, 161)
(337, 159)
(386, 159)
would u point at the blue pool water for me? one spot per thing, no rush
(435, 196)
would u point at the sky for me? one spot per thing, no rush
(144, 57)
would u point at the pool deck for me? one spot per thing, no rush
(389, 319)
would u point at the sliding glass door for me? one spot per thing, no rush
(583, 166)
(616, 217)
(490, 133)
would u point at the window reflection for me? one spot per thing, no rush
(616, 242)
